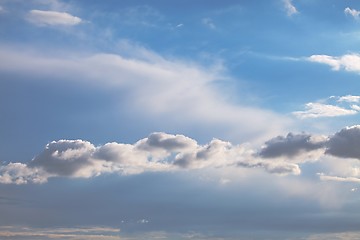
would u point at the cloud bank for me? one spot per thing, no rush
(160, 152)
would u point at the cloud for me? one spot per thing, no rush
(162, 152)
(289, 7)
(290, 146)
(165, 92)
(60, 233)
(52, 18)
(209, 23)
(19, 173)
(158, 152)
(348, 62)
(352, 12)
(349, 98)
(345, 144)
(316, 110)
(324, 177)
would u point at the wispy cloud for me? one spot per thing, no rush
(348, 62)
(317, 110)
(209, 23)
(349, 98)
(289, 7)
(324, 177)
(60, 233)
(353, 12)
(52, 18)
(156, 87)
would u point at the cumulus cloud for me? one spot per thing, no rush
(345, 144)
(20, 173)
(162, 152)
(348, 62)
(353, 12)
(289, 7)
(316, 110)
(52, 18)
(290, 146)
(158, 152)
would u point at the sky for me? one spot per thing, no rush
(217, 120)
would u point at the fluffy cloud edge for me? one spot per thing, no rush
(159, 152)
(162, 152)
(347, 62)
(353, 12)
(341, 107)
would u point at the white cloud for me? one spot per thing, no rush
(352, 12)
(289, 7)
(324, 177)
(355, 107)
(348, 62)
(316, 110)
(19, 173)
(167, 92)
(349, 98)
(52, 18)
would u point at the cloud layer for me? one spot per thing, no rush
(161, 152)
(158, 152)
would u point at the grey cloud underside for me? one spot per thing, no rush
(158, 152)
(343, 144)
(289, 146)
(161, 152)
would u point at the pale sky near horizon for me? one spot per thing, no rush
(179, 119)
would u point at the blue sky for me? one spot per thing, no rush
(179, 119)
